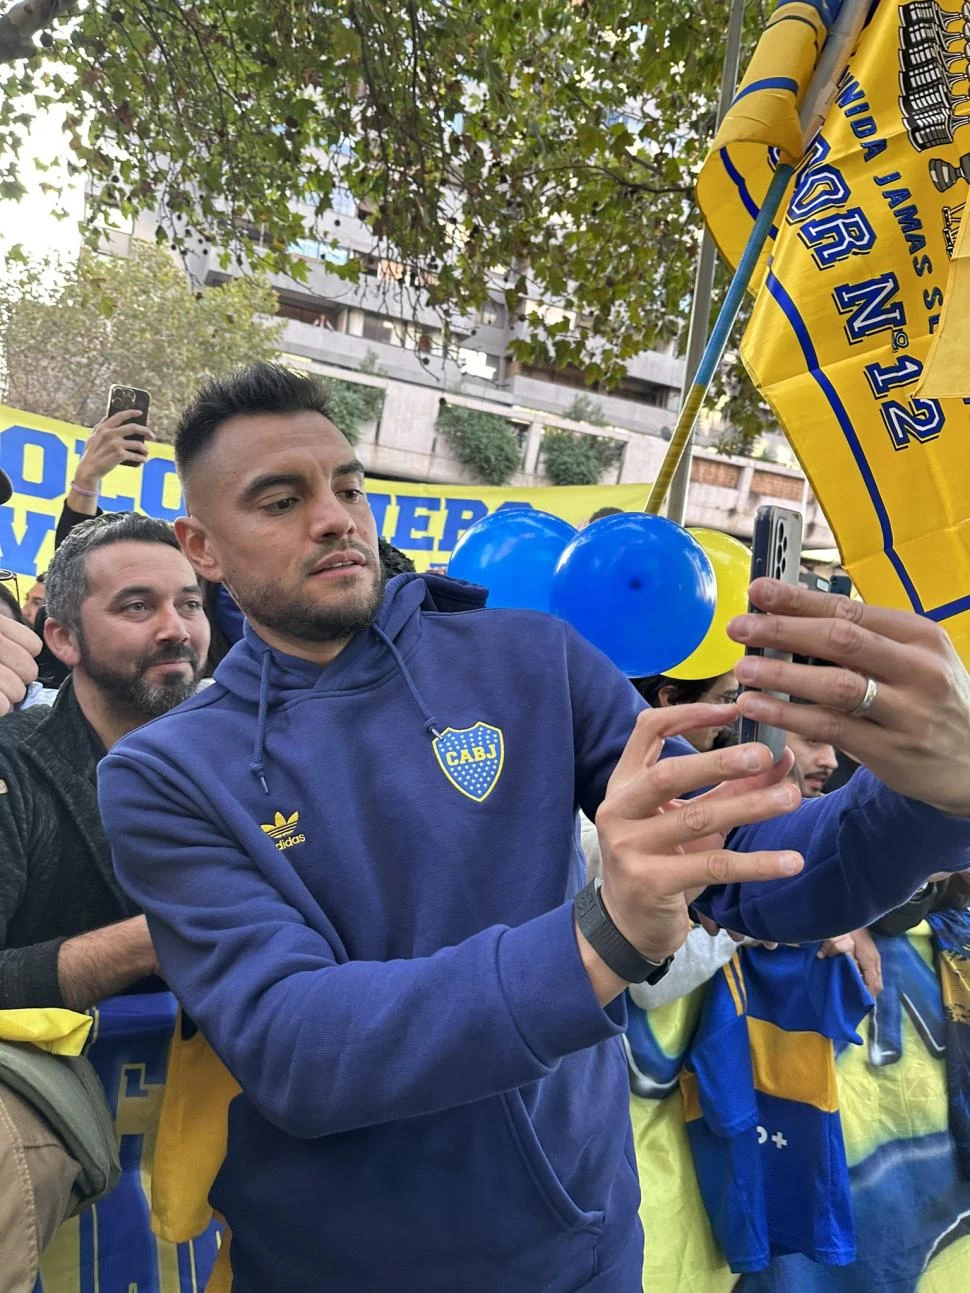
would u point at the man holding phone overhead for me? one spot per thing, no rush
(357, 852)
(119, 440)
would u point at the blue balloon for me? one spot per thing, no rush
(513, 553)
(638, 587)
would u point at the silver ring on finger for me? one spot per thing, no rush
(867, 701)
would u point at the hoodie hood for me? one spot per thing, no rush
(257, 673)
(229, 618)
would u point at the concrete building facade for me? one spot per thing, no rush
(379, 331)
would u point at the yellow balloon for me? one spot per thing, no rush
(717, 654)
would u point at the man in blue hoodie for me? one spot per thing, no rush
(358, 856)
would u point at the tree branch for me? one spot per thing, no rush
(22, 22)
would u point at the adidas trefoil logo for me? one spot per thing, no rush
(284, 831)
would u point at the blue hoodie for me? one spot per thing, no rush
(358, 881)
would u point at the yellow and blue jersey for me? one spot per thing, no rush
(759, 1094)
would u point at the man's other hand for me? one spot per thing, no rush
(916, 735)
(861, 946)
(18, 647)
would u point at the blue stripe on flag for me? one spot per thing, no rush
(807, 22)
(737, 179)
(788, 308)
(949, 609)
(768, 83)
(827, 10)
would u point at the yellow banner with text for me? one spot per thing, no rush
(40, 456)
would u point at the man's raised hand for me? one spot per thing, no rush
(658, 852)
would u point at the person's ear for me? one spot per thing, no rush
(62, 642)
(666, 695)
(197, 546)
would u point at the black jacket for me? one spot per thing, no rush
(56, 878)
(935, 895)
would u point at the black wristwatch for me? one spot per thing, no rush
(610, 945)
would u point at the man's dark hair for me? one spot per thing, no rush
(685, 690)
(41, 578)
(393, 560)
(257, 388)
(66, 582)
(605, 511)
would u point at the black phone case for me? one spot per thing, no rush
(118, 400)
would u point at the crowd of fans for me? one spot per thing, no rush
(129, 631)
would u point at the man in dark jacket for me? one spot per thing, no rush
(125, 614)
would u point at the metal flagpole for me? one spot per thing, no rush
(818, 99)
(700, 314)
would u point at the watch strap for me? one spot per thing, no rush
(612, 947)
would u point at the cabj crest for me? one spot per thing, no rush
(471, 758)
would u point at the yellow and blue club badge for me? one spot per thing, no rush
(471, 758)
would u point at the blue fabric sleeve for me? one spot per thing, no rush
(319, 1046)
(866, 849)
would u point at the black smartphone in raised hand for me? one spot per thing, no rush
(776, 552)
(121, 398)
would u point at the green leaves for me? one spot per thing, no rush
(558, 139)
(352, 405)
(571, 458)
(585, 409)
(483, 442)
(69, 330)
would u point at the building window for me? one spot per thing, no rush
(320, 249)
(308, 247)
(301, 312)
(406, 336)
(652, 393)
(491, 315)
(343, 202)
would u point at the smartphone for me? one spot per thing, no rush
(841, 584)
(776, 551)
(130, 397)
(817, 583)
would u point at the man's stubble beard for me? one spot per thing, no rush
(304, 621)
(131, 695)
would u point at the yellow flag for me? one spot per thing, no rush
(62, 1032)
(854, 284)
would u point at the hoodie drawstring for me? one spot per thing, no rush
(430, 723)
(256, 767)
